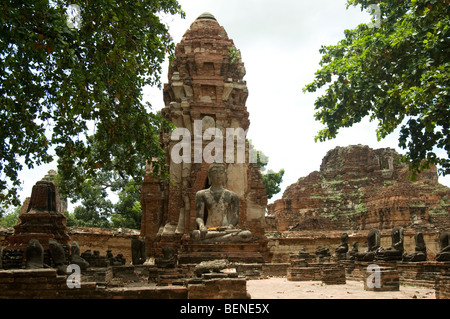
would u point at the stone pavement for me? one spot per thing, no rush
(281, 288)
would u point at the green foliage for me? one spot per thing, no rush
(234, 54)
(271, 180)
(10, 217)
(362, 208)
(398, 73)
(128, 210)
(96, 209)
(58, 84)
(438, 211)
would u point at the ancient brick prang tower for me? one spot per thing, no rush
(206, 91)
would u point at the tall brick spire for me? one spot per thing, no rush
(205, 85)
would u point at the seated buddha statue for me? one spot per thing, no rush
(342, 249)
(373, 243)
(444, 241)
(222, 207)
(420, 253)
(395, 252)
(355, 250)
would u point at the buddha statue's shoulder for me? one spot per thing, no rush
(231, 194)
(202, 192)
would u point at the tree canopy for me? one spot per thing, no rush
(396, 71)
(65, 86)
(10, 217)
(270, 179)
(96, 209)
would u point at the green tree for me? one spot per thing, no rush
(94, 210)
(271, 180)
(94, 194)
(61, 82)
(396, 71)
(10, 218)
(128, 211)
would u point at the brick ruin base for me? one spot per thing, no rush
(334, 276)
(431, 274)
(443, 287)
(196, 253)
(114, 281)
(150, 282)
(388, 280)
(282, 245)
(423, 274)
(46, 284)
(234, 288)
(329, 273)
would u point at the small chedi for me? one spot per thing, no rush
(39, 222)
(41, 238)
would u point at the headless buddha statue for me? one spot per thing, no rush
(342, 249)
(222, 208)
(373, 243)
(444, 241)
(420, 253)
(395, 252)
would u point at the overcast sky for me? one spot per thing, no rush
(280, 42)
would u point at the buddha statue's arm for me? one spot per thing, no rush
(200, 211)
(234, 210)
(398, 245)
(397, 240)
(444, 242)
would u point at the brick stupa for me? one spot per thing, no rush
(206, 85)
(40, 220)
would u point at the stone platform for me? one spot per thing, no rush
(192, 253)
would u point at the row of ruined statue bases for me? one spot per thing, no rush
(110, 277)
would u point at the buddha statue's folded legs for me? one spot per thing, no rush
(227, 236)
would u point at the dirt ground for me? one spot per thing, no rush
(281, 288)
